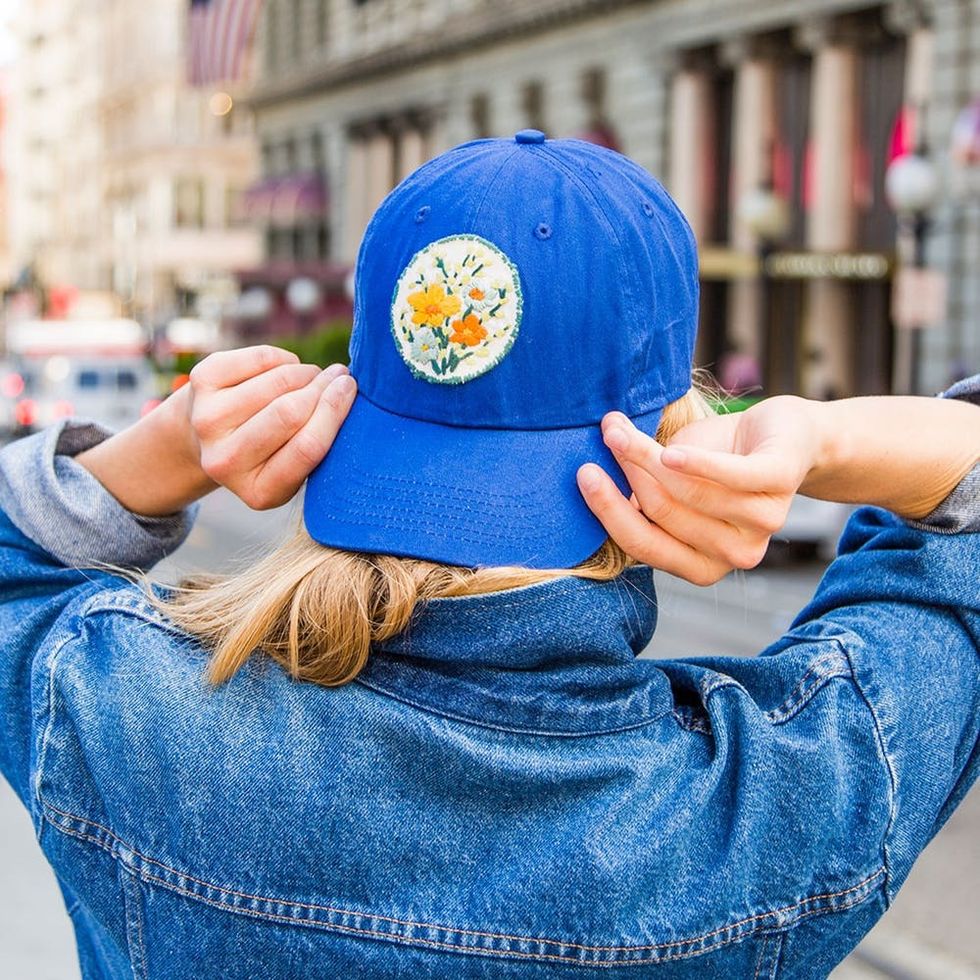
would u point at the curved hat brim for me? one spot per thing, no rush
(461, 496)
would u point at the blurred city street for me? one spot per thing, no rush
(181, 177)
(930, 933)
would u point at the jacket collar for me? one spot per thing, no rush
(556, 657)
(523, 628)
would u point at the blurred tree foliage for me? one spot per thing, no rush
(326, 345)
(185, 360)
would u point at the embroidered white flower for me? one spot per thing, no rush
(456, 309)
(425, 345)
(479, 295)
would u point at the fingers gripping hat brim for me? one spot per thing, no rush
(473, 497)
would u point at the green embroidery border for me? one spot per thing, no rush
(491, 363)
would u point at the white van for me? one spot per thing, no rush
(91, 369)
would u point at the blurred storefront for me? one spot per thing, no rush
(123, 178)
(731, 103)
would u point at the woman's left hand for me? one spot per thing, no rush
(254, 420)
(709, 501)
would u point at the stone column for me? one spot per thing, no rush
(379, 170)
(437, 134)
(832, 218)
(412, 153)
(355, 195)
(753, 134)
(692, 147)
(334, 153)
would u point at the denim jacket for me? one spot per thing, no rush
(506, 790)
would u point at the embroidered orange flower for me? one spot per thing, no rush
(468, 332)
(432, 306)
(477, 294)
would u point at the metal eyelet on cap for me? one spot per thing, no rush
(543, 231)
(648, 209)
(422, 214)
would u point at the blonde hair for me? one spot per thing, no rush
(317, 610)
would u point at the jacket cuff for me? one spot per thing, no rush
(960, 511)
(62, 507)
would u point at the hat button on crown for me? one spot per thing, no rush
(529, 136)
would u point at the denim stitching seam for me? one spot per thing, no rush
(826, 667)
(134, 922)
(109, 841)
(892, 777)
(450, 716)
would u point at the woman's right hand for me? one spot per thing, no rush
(262, 420)
(709, 500)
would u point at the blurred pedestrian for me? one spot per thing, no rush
(415, 740)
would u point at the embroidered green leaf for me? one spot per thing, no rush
(478, 268)
(493, 312)
(442, 265)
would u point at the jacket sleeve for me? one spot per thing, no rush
(56, 519)
(908, 593)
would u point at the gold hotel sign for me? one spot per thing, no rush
(726, 263)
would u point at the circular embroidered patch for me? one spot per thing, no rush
(456, 309)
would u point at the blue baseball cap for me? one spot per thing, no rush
(508, 294)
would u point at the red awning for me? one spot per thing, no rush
(257, 199)
(286, 201)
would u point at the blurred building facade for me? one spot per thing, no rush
(123, 180)
(718, 98)
(5, 272)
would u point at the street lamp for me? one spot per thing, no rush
(766, 216)
(764, 213)
(303, 297)
(255, 303)
(912, 187)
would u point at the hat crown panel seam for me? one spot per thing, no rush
(627, 267)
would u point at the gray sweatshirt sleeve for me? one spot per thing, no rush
(59, 505)
(960, 511)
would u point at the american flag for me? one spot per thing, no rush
(219, 36)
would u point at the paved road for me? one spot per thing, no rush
(930, 933)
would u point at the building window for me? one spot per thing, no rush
(594, 92)
(316, 152)
(233, 206)
(882, 82)
(480, 115)
(532, 101)
(791, 151)
(322, 22)
(279, 244)
(296, 24)
(268, 159)
(289, 155)
(272, 34)
(189, 202)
